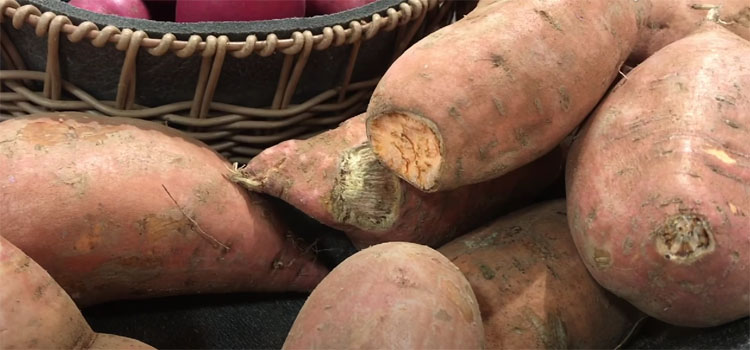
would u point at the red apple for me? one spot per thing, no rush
(324, 7)
(237, 10)
(123, 8)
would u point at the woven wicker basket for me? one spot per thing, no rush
(238, 86)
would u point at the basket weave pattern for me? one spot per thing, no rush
(238, 132)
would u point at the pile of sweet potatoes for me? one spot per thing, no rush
(510, 185)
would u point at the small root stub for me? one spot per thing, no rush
(410, 146)
(365, 193)
(236, 175)
(684, 238)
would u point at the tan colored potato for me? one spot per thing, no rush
(335, 178)
(534, 292)
(35, 313)
(671, 20)
(498, 88)
(394, 295)
(659, 183)
(117, 208)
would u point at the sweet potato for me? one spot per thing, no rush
(36, 313)
(335, 178)
(498, 88)
(391, 295)
(532, 287)
(671, 20)
(659, 183)
(116, 208)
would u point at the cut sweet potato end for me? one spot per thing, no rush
(410, 146)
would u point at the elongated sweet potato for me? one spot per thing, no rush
(394, 295)
(36, 313)
(534, 292)
(336, 179)
(671, 20)
(659, 183)
(497, 89)
(115, 208)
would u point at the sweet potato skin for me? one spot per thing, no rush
(86, 197)
(391, 295)
(658, 183)
(492, 106)
(307, 174)
(36, 313)
(671, 20)
(534, 292)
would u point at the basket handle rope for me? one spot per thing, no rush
(213, 77)
(409, 29)
(129, 42)
(349, 70)
(304, 54)
(51, 25)
(205, 71)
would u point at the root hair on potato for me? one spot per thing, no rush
(365, 193)
(237, 176)
(215, 242)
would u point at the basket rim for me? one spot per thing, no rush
(118, 29)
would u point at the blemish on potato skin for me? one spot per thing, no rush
(459, 168)
(499, 106)
(627, 246)
(684, 238)
(721, 155)
(401, 278)
(40, 290)
(602, 258)
(538, 106)
(483, 242)
(156, 227)
(732, 124)
(455, 114)
(487, 272)
(88, 241)
(725, 99)
(723, 173)
(733, 208)
(548, 18)
(484, 150)
(521, 137)
(443, 315)
(564, 98)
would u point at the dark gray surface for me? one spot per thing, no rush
(658, 335)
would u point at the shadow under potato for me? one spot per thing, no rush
(262, 321)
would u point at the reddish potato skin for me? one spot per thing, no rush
(83, 196)
(36, 313)
(665, 161)
(324, 7)
(500, 87)
(392, 295)
(534, 292)
(671, 20)
(305, 173)
(123, 8)
(237, 10)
